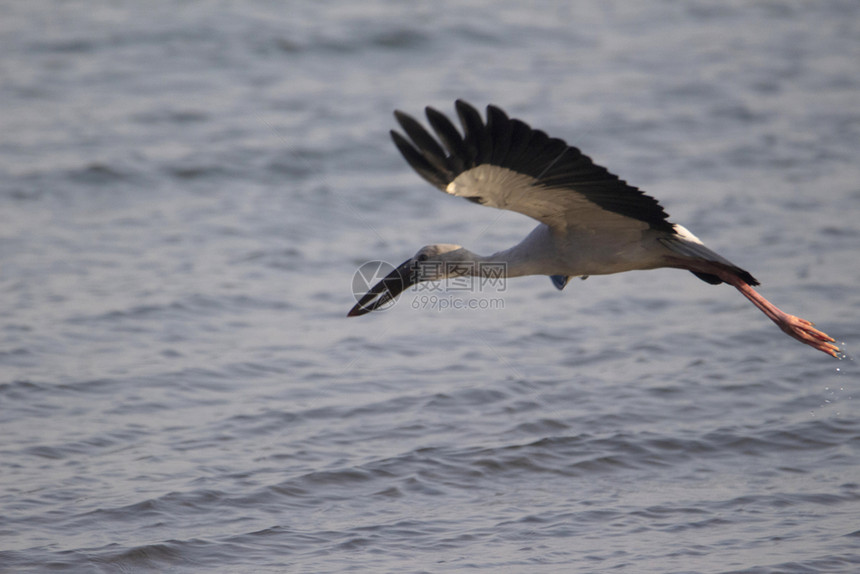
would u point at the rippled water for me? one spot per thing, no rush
(187, 188)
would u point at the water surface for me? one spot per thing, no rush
(187, 188)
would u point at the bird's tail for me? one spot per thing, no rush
(684, 243)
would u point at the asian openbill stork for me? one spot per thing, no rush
(590, 221)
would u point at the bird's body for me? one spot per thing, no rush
(576, 254)
(590, 221)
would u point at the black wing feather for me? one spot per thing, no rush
(521, 136)
(419, 162)
(475, 133)
(513, 144)
(499, 130)
(451, 139)
(424, 142)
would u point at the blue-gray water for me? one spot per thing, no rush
(186, 189)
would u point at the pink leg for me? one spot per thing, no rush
(795, 327)
(800, 329)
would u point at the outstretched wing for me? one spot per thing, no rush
(504, 163)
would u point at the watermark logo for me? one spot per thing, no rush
(431, 280)
(442, 303)
(368, 275)
(482, 277)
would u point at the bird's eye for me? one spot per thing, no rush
(422, 257)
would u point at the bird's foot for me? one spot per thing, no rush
(805, 332)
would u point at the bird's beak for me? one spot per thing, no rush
(390, 287)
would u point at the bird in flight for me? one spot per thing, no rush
(590, 221)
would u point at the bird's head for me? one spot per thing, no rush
(430, 263)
